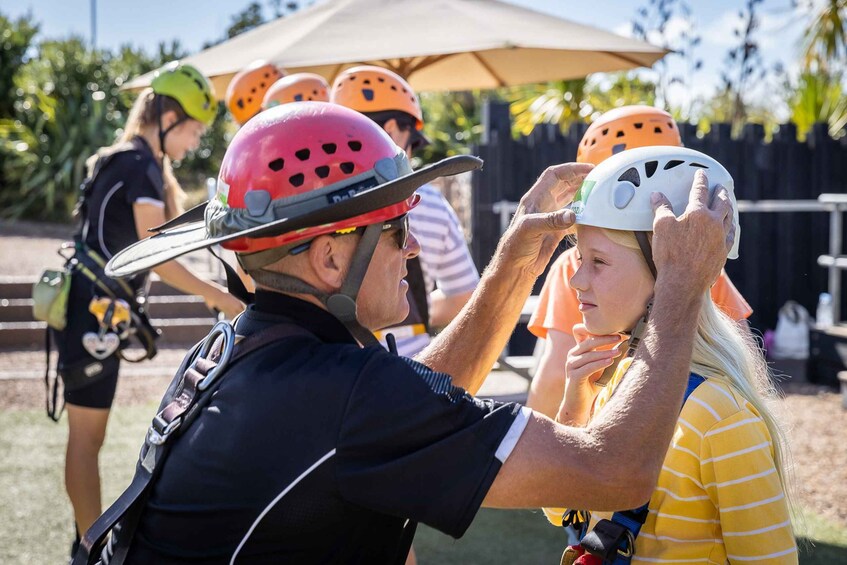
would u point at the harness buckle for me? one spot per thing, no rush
(224, 331)
(608, 539)
(160, 430)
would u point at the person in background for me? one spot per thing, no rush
(132, 191)
(443, 276)
(247, 89)
(298, 87)
(557, 311)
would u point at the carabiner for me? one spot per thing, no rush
(225, 330)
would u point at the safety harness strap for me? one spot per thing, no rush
(199, 377)
(614, 540)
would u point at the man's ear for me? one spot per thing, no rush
(330, 259)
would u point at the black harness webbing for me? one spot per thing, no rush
(199, 376)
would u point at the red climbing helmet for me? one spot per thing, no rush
(292, 173)
(324, 152)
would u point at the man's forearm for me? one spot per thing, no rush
(471, 343)
(638, 421)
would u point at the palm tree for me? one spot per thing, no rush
(825, 38)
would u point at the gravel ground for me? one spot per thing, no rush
(814, 414)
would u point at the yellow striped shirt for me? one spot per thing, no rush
(719, 498)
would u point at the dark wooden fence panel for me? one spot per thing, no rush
(778, 250)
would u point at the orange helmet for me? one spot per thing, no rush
(626, 128)
(247, 88)
(369, 89)
(299, 87)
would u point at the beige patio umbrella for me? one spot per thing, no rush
(436, 44)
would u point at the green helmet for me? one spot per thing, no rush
(190, 88)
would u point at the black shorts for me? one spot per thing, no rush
(88, 382)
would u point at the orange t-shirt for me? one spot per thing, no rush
(558, 307)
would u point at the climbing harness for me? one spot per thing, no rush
(610, 542)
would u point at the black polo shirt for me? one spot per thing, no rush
(131, 175)
(314, 450)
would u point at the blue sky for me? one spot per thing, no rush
(193, 22)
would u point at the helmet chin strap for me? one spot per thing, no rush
(164, 132)
(341, 304)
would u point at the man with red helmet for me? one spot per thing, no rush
(303, 441)
(442, 278)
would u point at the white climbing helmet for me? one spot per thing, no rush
(616, 194)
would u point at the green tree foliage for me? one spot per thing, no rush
(15, 39)
(653, 23)
(452, 122)
(818, 98)
(67, 106)
(818, 94)
(825, 37)
(567, 101)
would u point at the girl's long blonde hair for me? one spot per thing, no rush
(726, 351)
(143, 115)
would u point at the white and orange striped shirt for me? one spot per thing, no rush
(719, 498)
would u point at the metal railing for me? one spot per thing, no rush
(835, 204)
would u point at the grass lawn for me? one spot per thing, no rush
(37, 525)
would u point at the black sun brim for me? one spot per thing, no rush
(188, 232)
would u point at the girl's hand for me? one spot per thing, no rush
(585, 364)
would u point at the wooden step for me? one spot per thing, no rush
(168, 307)
(180, 331)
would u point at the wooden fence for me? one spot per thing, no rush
(778, 251)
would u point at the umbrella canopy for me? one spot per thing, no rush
(436, 45)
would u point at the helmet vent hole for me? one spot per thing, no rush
(698, 165)
(394, 88)
(355, 145)
(366, 81)
(638, 125)
(605, 131)
(253, 90)
(249, 100)
(262, 84)
(657, 129)
(199, 84)
(631, 175)
(267, 75)
(670, 125)
(329, 148)
(672, 163)
(380, 79)
(620, 133)
(315, 92)
(650, 168)
(296, 180)
(322, 171)
(347, 167)
(593, 142)
(276, 165)
(303, 154)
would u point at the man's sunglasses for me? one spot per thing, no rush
(400, 223)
